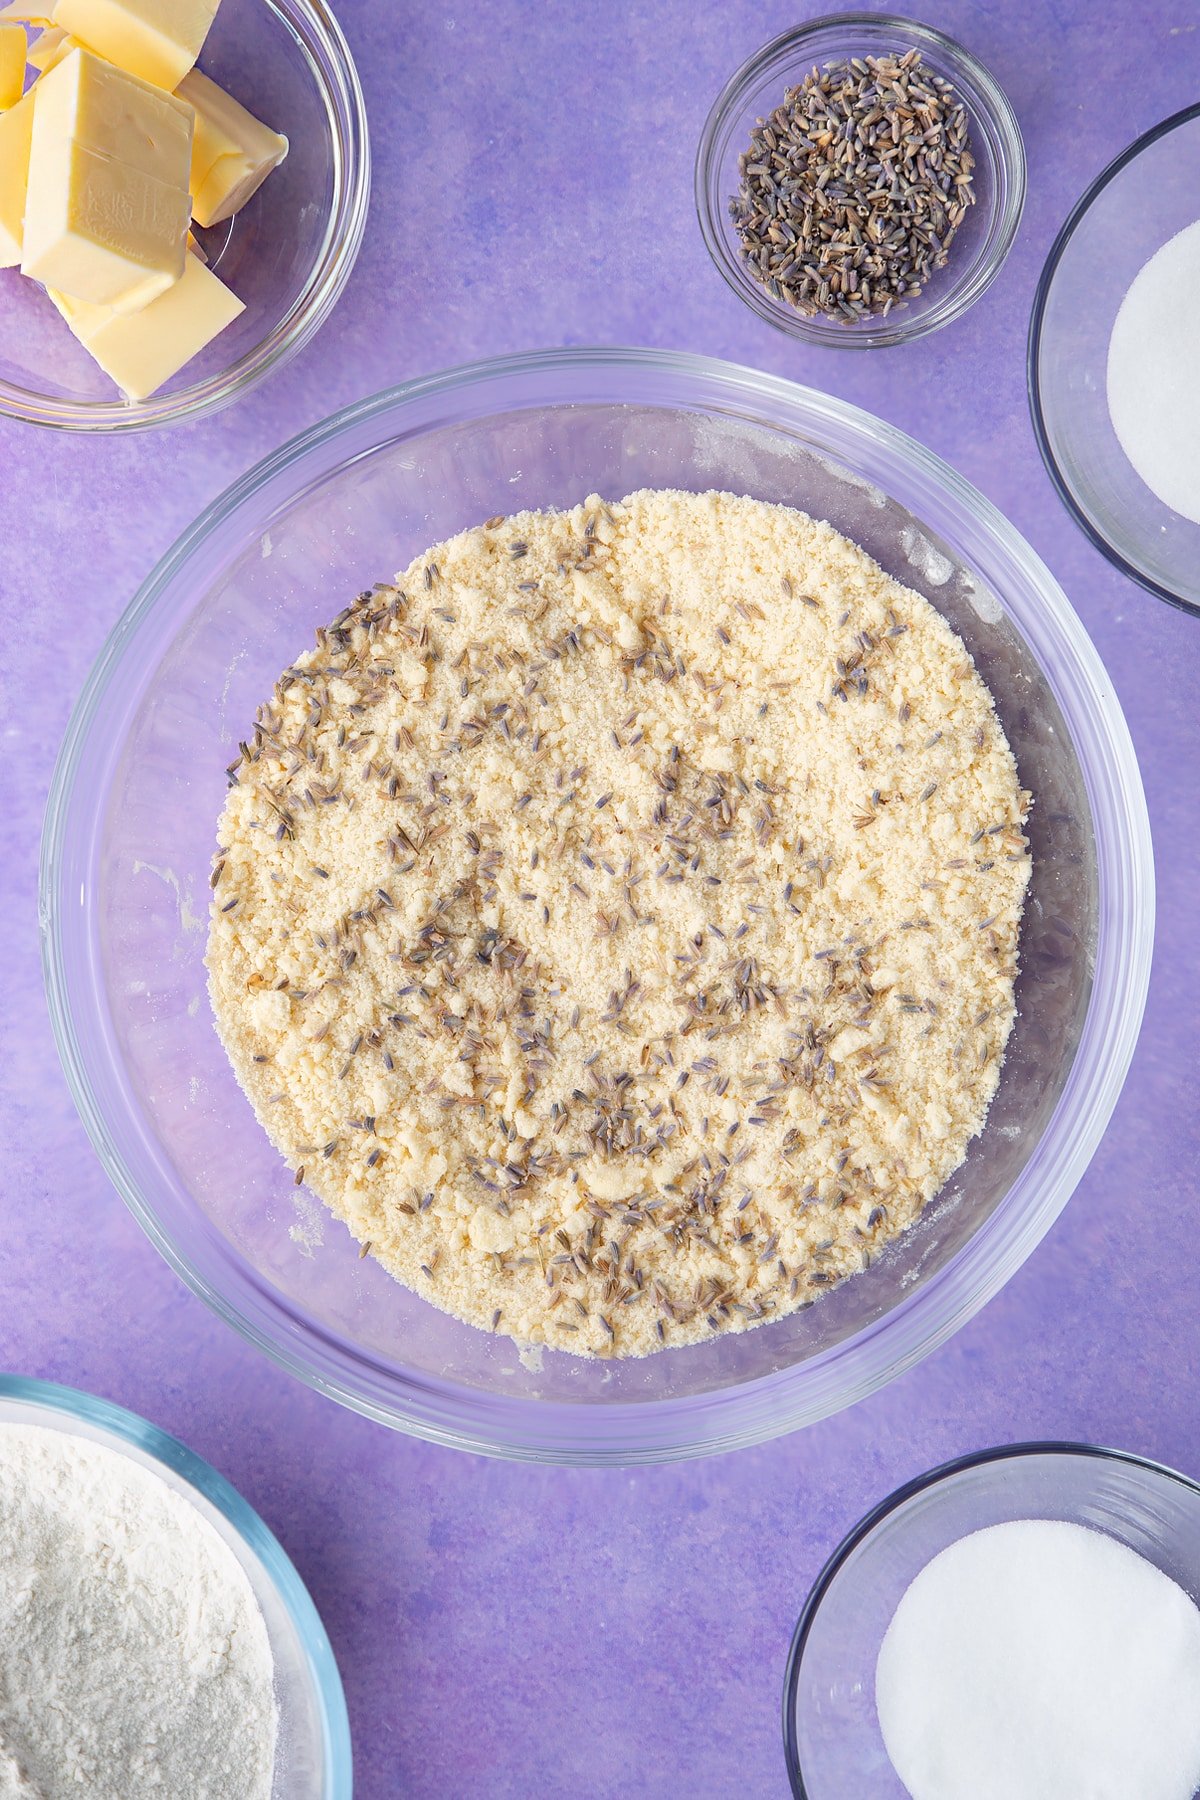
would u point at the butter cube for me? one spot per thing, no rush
(16, 129)
(49, 48)
(12, 65)
(72, 310)
(142, 352)
(17, 14)
(114, 113)
(107, 209)
(156, 39)
(110, 230)
(232, 152)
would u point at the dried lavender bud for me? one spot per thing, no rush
(853, 188)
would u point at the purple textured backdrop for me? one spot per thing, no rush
(508, 1631)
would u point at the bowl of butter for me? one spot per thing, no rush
(183, 191)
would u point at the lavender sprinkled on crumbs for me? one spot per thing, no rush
(630, 1155)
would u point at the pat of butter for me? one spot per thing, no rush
(156, 39)
(49, 48)
(142, 352)
(110, 111)
(111, 234)
(12, 65)
(17, 14)
(107, 210)
(16, 129)
(232, 152)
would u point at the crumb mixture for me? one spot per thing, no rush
(615, 919)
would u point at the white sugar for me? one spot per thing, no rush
(1040, 1660)
(1154, 373)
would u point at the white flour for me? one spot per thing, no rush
(134, 1660)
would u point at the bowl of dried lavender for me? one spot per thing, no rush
(860, 180)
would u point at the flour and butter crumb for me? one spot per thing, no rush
(615, 919)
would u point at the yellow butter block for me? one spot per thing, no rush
(110, 230)
(49, 48)
(107, 209)
(17, 14)
(12, 65)
(16, 130)
(143, 352)
(110, 111)
(232, 151)
(118, 232)
(156, 39)
(69, 308)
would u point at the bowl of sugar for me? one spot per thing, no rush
(1022, 1622)
(1114, 361)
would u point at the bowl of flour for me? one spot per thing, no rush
(154, 1637)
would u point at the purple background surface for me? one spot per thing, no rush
(538, 1632)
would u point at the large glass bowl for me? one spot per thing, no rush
(312, 1756)
(831, 1734)
(140, 781)
(287, 255)
(1130, 211)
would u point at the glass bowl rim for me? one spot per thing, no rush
(763, 1407)
(1033, 380)
(959, 297)
(125, 1428)
(893, 1502)
(345, 107)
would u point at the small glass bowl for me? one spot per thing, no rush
(831, 1732)
(312, 1758)
(288, 254)
(1140, 201)
(985, 235)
